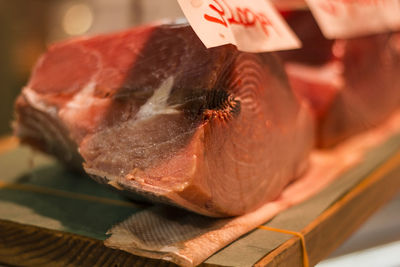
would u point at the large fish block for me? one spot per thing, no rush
(352, 85)
(153, 112)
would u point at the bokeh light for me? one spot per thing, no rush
(77, 19)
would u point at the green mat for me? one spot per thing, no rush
(39, 198)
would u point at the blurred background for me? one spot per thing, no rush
(27, 27)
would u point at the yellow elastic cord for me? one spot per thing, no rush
(300, 235)
(381, 171)
(66, 194)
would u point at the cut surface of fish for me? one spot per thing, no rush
(152, 112)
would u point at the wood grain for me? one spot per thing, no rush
(24, 245)
(337, 223)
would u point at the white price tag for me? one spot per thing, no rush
(352, 18)
(251, 25)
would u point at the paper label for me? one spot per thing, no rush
(251, 25)
(352, 18)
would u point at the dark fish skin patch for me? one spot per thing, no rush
(220, 104)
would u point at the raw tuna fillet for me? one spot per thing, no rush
(153, 112)
(351, 85)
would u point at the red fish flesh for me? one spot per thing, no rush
(153, 112)
(352, 85)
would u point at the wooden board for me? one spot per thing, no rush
(337, 223)
(27, 245)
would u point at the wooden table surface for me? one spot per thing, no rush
(26, 245)
(338, 222)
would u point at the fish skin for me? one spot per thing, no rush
(215, 131)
